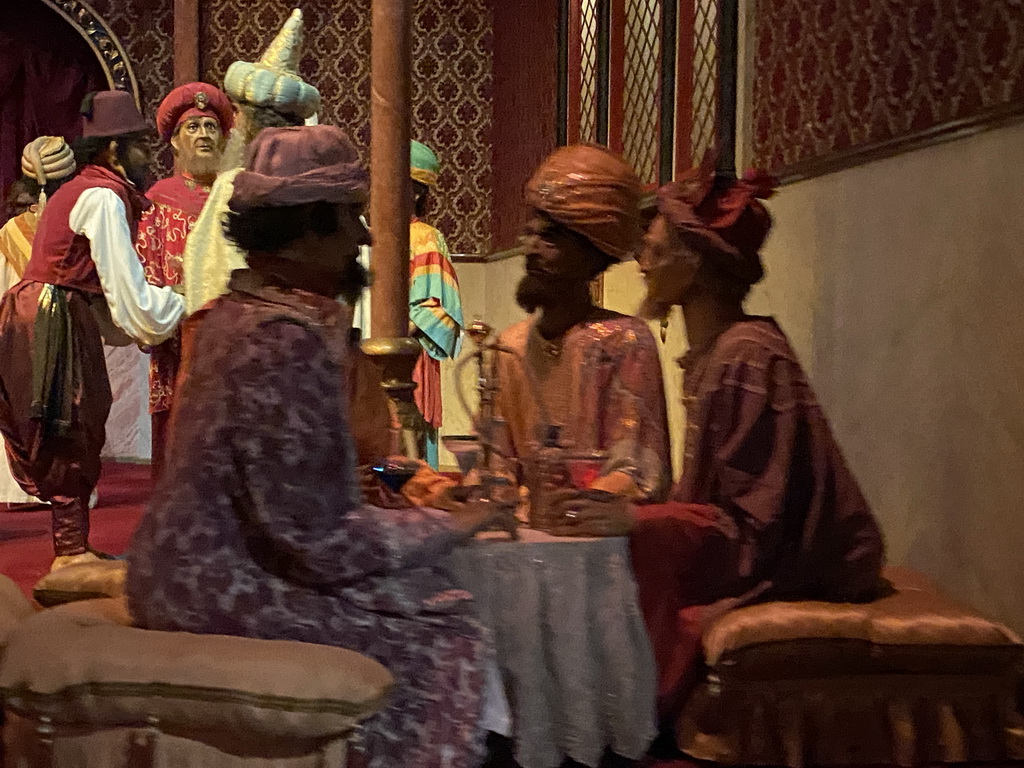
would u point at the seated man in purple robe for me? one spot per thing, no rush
(257, 527)
(767, 508)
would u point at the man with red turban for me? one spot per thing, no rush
(766, 508)
(195, 118)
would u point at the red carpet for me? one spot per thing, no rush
(26, 549)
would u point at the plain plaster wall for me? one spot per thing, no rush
(901, 286)
(488, 294)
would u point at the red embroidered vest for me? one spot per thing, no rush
(61, 257)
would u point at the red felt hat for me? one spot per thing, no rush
(193, 99)
(723, 219)
(112, 113)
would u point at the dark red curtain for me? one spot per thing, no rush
(45, 69)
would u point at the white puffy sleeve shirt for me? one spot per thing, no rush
(143, 311)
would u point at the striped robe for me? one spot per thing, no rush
(16, 247)
(435, 308)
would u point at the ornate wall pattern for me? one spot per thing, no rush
(145, 28)
(835, 76)
(452, 78)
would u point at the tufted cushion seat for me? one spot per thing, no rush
(14, 609)
(912, 629)
(201, 699)
(911, 677)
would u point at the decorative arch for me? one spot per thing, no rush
(96, 32)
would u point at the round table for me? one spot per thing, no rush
(573, 656)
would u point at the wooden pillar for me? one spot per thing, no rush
(186, 41)
(391, 204)
(728, 74)
(390, 185)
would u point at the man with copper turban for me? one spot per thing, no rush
(83, 285)
(46, 163)
(582, 376)
(258, 528)
(767, 508)
(195, 119)
(269, 93)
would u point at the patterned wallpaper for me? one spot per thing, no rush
(452, 63)
(834, 75)
(146, 30)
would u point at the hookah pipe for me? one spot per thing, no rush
(488, 384)
(486, 422)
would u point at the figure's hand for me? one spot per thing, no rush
(590, 513)
(473, 517)
(444, 499)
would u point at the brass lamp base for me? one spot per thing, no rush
(397, 358)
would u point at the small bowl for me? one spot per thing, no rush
(395, 474)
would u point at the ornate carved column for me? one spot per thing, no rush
(391, 203)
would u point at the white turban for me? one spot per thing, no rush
(47, 158)
(274, 80)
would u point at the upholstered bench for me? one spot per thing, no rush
(83, 688)
(909, 679)
(14, 609)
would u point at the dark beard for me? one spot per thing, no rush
(352, 282)
(534, 292)
(651, 309)
(139, 175)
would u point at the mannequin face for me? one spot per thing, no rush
(669, 268)
(131, 157)
(198, 143)
(558, 260)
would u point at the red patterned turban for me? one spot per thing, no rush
(295, 166)
(724, 221)
(591, 191)
(193, 99)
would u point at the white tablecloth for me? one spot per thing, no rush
(573, 655)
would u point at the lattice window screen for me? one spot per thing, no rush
(588, 70)
(642, 64)
(705, 77)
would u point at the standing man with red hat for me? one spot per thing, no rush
(83, 284)
(195, 119)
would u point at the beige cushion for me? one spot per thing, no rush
(14, 608)
(85, 581)
(79, 664)
(915, 629)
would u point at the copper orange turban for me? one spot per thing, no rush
(593, 192)
(724, 221)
